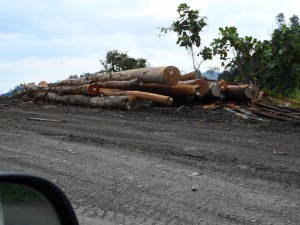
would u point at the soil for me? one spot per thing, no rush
(158, 165)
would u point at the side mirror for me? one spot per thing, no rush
(32, 200)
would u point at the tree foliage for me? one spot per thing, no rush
(188, 27)
(118, 61)
(273, 64)
(281, 64)
(236, 53)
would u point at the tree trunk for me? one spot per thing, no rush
(97, 102)
(202, 83)
(223, 84)
(161, 75)
(166, 100)
(128, 84)
(176, 90)
(89, 89)
(188, 76)
(241, 91)
(71, 82)
(215, 89)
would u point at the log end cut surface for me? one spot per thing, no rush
(171, 75)
(251, 91)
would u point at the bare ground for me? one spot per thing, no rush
(158, 166)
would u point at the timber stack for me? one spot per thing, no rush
(127, 89)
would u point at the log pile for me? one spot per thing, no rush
(163, 85)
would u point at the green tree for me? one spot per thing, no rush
(118, 61)
(282, 60)
(236, 54)
(188, 27)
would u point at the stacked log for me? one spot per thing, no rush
(124, 89)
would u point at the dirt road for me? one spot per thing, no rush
(157, 166)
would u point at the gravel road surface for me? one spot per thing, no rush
(158, 166)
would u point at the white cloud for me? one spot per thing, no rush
(36, 35)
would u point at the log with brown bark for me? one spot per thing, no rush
(188, 76)
(96, 102)
(223, 84)
(202, 83)
(161, 75)
(176, 90)
(214, 90)
(89, 89)
(241, 91)
(166, 100)
(127, 84)
(194, 75)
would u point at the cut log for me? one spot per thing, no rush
(214, 89)
(161, 75)
(241, 91)
(166, 100)
(176, 90)
(223, 84)
(71, 82)
(97, 102)
(194, 75)
(130, 84)
(202, 83)
(89, 89)
(188, 76)
(42, 84)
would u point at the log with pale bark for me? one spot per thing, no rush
(89, 89)
(202, 83)
(127, 102)
(127, 84)
(71, 82)
(161, 75)
(176, 90)
(166, 100)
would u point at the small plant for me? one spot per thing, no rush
(188, 27)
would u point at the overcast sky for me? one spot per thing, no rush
(52, 39)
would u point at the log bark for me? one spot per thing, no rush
(188, 76)
(130, 84)
(241, 91)
(166, 100)
(194, 75)
(223, 84)
(96, 102)
(89, 89)
(176, 90)
(202, 83)
(71, 82)
(161, 75)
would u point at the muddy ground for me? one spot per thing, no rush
(158, 165)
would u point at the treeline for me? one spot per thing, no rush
(272, 64)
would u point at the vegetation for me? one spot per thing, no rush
(272, 64)
(117, 61)
(188, 27)
(14, 91)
